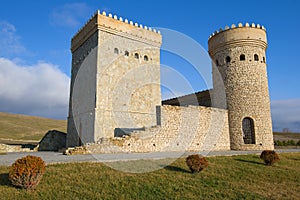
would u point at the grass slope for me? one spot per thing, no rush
(21, 127)
(236, 177)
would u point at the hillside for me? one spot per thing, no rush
(286, 136)
(21, 127)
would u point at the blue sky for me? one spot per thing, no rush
(35, 41)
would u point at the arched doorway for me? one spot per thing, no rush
(248, 131)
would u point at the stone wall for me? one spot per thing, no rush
(4, 148)
(239, 70)
(115, 79)
(192, 128)
(115, 86)
(53, 141)
(82, 93)
(128, 86)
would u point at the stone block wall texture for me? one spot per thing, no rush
(115, 85)
(4, 148)
(245, 83)
(192, 128)
(53, 141)
(115, 81)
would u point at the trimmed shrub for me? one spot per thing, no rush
(269, 157)
(27, 172)
(196, 163)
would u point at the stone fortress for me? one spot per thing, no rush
(115, 97)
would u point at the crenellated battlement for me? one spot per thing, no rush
(238, 35)
(115, 91)
(118, 26)
(239, 25)
(239, 71)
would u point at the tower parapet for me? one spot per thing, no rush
(118, 26)
(253, 35)
(239, 72)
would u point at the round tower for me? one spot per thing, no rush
(239, 72)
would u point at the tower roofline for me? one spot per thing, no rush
(251, 35)
(240, 25)
(117, 26)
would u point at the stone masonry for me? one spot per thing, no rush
(53, 141)
(239, 69)
(115, 98)
(115, 79)
(192, 128)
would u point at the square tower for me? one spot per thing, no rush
(115, 79)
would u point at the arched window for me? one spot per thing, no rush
(228, 59)
(242, 57)
(248, 131)
(146, 58)
(217, 62)
(256, 57)
(116, 51)
(136, 55)
(126, 53)
(264, 59)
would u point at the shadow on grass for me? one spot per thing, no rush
(4, 180)
(249, 161)
(176, 169)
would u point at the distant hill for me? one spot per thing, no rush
(286, 136)
(22, 127)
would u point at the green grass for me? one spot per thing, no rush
(21, 127)
(236, 177)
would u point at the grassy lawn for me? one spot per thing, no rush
(236, 177)
(21, 127)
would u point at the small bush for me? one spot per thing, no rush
(284, 143)
(27, 172)
(298, 143)
(196, 163)
(277, 143)
(291, 143)
(269, 157)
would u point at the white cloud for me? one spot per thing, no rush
(9, 40)
(69, 15)
(286, 114)
(41, 89)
